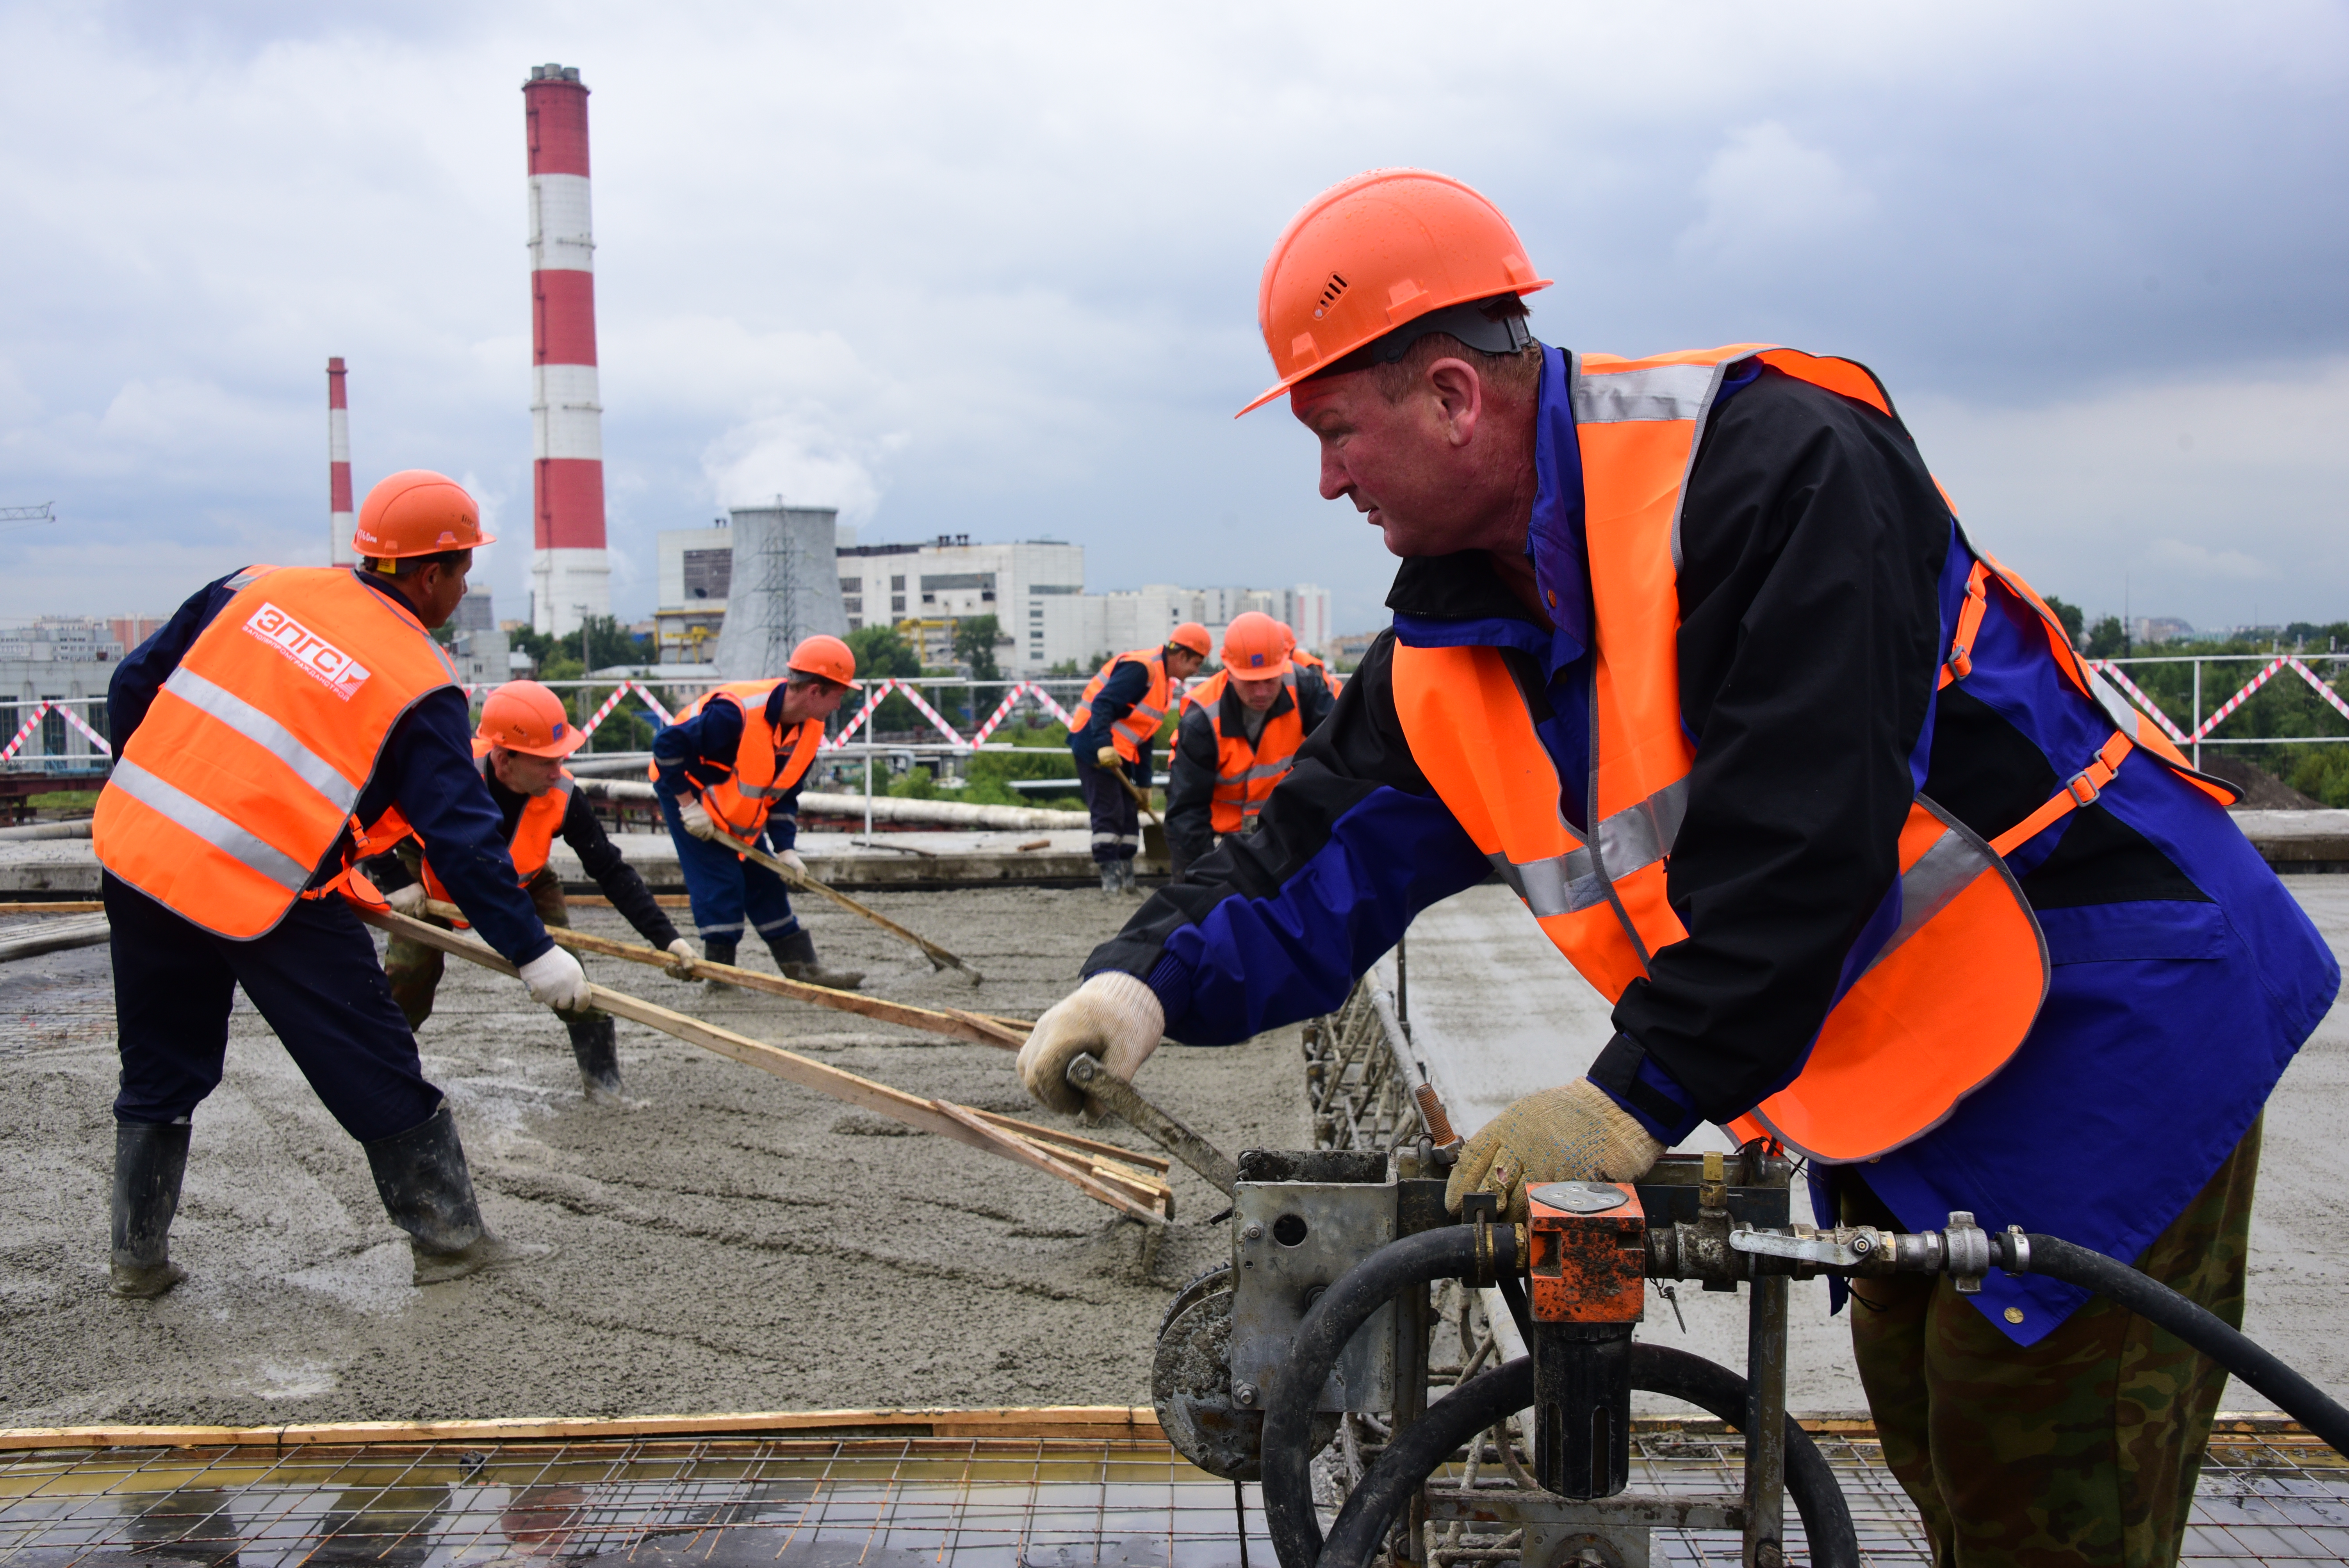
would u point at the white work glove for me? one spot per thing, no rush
(1573, 1133)
(1113, 1017)
(697, 820)
(555, 980)
(791, 859)
(408, 901)
(1106, 757)
(684, 958)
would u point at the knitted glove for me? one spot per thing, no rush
(1112, 1015)
(1572, 1133)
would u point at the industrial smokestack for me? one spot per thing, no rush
(338, 469)
(785, 585)
(570, 575)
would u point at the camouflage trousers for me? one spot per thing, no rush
(2082, 1448)
(414, 969)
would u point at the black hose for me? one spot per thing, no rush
(2158, 1305)
(1448, 1252)
(1490, 1397)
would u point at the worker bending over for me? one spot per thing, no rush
(1331, 678)
(524, 736)
(1112, 734)
(1240, 732)
(728, 774)
(285, 722)
(1690, 652)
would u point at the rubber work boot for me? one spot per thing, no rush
(1111, 882)
(428, 1190)
(150, 1157)
(595, 1044)
(717, 950)
(1125, 877)
(796, 954)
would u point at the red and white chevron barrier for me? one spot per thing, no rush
(2268, 672)
(41, 711)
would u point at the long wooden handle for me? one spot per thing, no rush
(939, 957)
(1139, 799)
(951, 1022)
(960, 1123)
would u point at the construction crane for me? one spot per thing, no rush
(45, 512)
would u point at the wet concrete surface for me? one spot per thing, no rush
(726, 1241)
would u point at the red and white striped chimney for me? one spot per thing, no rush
(338, 469)
(570, 575)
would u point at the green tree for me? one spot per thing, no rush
(2070, 615)
(2108, 639)
(974, 644)
(882, 655)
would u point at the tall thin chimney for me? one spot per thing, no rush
(570, 575)
(338, 469)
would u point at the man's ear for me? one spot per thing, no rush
(1458, 392)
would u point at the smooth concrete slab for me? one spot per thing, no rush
(1495, 1013)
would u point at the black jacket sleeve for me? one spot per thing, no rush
(602, 861)
(1191, 786)
(1313, 699)
(1812, 540)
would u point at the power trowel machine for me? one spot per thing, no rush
(1325, 1311)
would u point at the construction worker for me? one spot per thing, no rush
(1111, 735)
(1239, 731)
(1692, 652)
(728, 775)
(285, 723)
(1331, 678)
(525, 735)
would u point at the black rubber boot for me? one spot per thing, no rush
(796, 956)
(717, 950)
(1125, 875)
(150, 1157)
(428, 1190)
(1112, 881)
(595, 1044)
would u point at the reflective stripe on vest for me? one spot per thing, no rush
(1902, 1045)
(240, 780)
(1246, 770)
(531, 844)
(1140, 726)
(764, 771)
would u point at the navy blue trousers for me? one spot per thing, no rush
(727, 890)
(1116, 820)
(314, 979)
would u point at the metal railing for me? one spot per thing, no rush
(2197, 732)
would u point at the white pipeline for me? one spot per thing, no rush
(883, 808)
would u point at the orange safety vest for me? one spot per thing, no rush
(532, 843)
(1246, 771)
(1139, 728)
(767, 766)
(244, 774)
(1952, 994)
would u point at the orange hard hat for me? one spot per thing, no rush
(1288, 634)
(526, 716)
(1255, 647)
(1382, 251)
(1191, 635)
(827, 656)
(418, 513)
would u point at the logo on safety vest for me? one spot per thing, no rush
(318, 659)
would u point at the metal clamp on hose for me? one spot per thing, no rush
(1478, 1211)
(1967, 1258)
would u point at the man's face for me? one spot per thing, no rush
(436, 589)
(803, 700)
(1401, 463)
(1258, 694)
(1182, 663)
(524, 774)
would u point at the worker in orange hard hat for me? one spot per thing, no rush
(524, 736)
(285, 723)
(1239, 734)
(1691, 651)
(1111, 732)
(1310, 660)
(728, 774)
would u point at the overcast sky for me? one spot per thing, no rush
(992, 269)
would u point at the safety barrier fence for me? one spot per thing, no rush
(662, 699)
